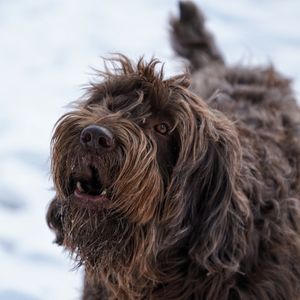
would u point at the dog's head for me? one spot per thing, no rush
(143, 166)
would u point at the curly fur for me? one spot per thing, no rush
(208, 211)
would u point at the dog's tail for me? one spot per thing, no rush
(190, 38)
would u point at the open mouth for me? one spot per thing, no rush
(87, 187)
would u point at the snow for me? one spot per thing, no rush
(47, 49)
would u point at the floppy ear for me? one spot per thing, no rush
(217, 211)
(54, 220)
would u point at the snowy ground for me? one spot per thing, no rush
(46, 49)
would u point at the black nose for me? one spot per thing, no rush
(97, 138)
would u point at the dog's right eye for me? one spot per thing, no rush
(162, 128)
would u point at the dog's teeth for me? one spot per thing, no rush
(103, 192)
(78, 185)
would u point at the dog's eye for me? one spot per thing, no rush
(162, 128)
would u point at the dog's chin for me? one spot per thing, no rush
(95, 233)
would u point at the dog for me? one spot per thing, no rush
(181, 188)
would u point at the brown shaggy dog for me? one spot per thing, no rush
(170, 192)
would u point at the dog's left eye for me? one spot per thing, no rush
(162, 128)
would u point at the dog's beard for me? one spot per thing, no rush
(106, 235)
(97, 238)
(94, 231)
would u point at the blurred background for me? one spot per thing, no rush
(47, 49)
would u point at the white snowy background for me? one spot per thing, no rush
(46, 50)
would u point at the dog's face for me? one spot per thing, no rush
(114, 152)
(135, 166)
(117, 150)
(114, 155)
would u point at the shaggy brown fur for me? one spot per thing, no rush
(202, 183)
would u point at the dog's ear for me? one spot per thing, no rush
(209, 165)
(54, 220)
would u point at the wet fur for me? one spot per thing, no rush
(210, 211)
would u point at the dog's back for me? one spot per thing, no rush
(261, 104)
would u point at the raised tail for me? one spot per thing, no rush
(190, 39)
